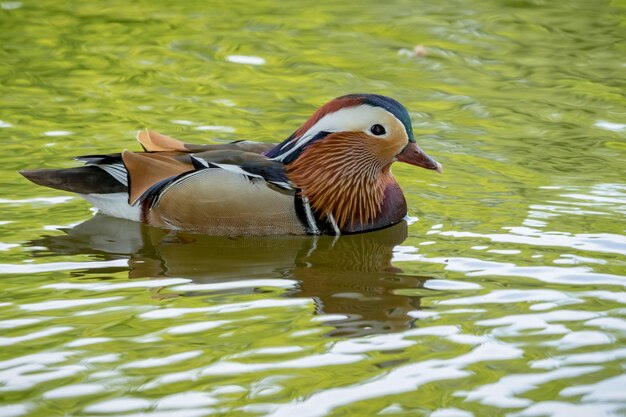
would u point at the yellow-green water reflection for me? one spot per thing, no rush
(503, 296)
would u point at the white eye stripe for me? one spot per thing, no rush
(357, 118)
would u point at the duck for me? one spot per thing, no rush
(331, 176)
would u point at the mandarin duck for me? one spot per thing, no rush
(331, 176)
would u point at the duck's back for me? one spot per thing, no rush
(227, 189)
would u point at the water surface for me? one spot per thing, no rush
(503, 293)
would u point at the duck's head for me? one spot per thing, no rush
(340, 157)
(380, 123)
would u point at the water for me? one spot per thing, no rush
(503, 296)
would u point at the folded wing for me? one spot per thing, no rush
(222, 200)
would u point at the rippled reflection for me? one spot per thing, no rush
(349, 276)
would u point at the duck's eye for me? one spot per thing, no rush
(377, 130)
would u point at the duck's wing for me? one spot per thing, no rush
(156, 142)
(105, 174)
(144, 170)
(218, 197)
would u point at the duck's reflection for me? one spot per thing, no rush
(351, 275)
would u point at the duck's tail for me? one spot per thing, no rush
(92, 183)
(80, 180)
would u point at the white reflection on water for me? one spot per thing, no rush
(7, 246)
(107, 358)
(45, 200)
(44, 358)
(88, 341)
(579, 339)
(11, 324)
(186, 400)
(169, 313)
(110, 286)
(478, 268)
(25, 377)
(512, 296)
(606, 200)
(541, 323)
(616, 127)
(119, 405)
(600, 242)
(54, 133)
(281, 350)
(7, 341)
(579, 358)
(447, 412)
(502, 394)
(33, 268)
(563, 409)
(405, 378)
(215, 128)
(229, 368)
(609, 390)
(449, 285)
(197, 327)
(73, 390)
(231, 285)
(246, 59)
(156, 362)
(15, 410)
(65, 304)
(608, 323)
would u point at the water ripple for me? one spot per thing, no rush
(402, 379)
(601, 242)
(7, 341)
(59, 266)
(503, 394)
(65, 304)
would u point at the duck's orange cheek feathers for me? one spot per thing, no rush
(384, 149)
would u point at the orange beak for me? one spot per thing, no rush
(414, 155)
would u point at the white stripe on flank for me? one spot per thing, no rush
(202, 161)
(282, 184)
(236, 170)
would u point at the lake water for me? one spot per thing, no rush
(504, 293)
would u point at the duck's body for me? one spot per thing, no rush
(332, 176)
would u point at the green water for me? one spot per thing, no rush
(505, 295)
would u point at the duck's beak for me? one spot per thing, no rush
(414, 155)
